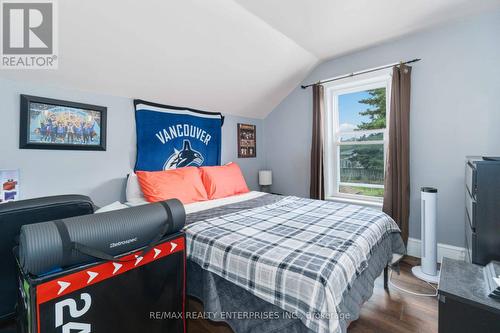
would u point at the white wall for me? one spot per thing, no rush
(101, 175)
(455, 111)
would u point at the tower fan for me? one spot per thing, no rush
(428, 270)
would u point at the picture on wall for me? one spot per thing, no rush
(9, 185)
(247, 142)
(54, 124)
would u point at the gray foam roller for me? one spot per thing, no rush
(41, 247)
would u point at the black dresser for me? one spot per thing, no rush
(482, 209)
(464, 305)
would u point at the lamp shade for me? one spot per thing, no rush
(265, 177)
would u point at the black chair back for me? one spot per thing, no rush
(17, 213)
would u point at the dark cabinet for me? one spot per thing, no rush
(464, 306)
(482, 210)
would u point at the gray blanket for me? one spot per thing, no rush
(365, 238)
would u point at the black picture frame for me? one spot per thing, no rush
(25, 142)
(247, 140)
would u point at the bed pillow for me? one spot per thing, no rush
(133, 192)
(223, 181)
(184, 184)
(111, 207)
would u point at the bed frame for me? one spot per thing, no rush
(386, 277)
(394, 265)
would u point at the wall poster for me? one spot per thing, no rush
(9, 182)
(247, 143)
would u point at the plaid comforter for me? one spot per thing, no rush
(299, 254)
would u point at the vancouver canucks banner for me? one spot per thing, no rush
(170, 137)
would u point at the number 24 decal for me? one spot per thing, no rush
(74, 312)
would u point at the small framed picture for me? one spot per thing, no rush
(54, 124)
(247, 141)
(9, 185)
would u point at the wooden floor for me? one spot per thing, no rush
(385, 311)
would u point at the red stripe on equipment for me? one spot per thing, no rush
(95, 274)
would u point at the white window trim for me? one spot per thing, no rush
(331, 158)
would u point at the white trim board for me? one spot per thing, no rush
(443, 250)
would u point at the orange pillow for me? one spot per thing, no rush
(184, 184)
(223, 181)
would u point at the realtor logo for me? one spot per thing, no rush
(28, 34)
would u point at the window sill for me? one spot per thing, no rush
(368, 203)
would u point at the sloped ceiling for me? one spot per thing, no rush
(239, 57)
(329, 28)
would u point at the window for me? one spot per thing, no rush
(356, 138)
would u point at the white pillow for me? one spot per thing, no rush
(133, 191)
(113, 206)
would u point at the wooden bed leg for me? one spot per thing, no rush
(386, 277)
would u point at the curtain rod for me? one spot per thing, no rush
(361, 72)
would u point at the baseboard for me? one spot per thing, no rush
(443, 250)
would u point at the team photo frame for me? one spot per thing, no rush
(47, 123)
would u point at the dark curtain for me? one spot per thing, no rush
(317, 189)
(397, 177)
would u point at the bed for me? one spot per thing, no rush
(270, 263)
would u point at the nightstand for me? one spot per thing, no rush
(464, 305)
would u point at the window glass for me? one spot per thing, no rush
(359, 141)
(362, 110)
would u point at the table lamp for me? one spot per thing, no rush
(265, 180)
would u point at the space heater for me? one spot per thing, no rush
(428, 270)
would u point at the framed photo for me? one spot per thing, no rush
(54, 124)
(247, 142)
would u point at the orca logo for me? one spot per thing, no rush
(183, 158)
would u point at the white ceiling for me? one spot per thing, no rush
(239, 57)
(329, 28)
